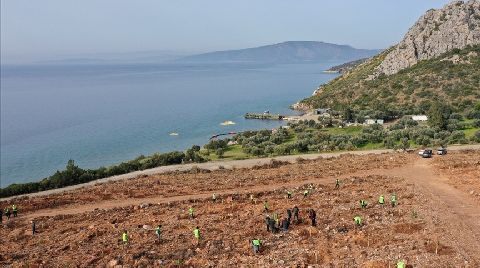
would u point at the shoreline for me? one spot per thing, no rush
(216, 165)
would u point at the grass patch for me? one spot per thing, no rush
(352, 130)
(469, 132)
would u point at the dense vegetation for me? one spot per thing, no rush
(312, 136)
(444, 79)
(74, 175)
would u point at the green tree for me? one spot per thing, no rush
(404, 143)
(438, 115)
(220, 152)
(348, 115)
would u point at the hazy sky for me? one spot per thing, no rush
(33, 30)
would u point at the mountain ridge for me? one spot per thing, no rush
(286, 52)
(447, 70)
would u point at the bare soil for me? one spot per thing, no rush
(435, 223)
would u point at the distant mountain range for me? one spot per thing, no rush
(286, 52)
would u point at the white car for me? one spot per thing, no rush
(421, 152)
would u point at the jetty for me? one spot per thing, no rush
(264, 116)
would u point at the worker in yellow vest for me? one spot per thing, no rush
(196, 234)
(125, 237)
(14, 209)
(381, 200)
(358, 221)
(191, 212)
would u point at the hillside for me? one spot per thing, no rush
(346, 67)
(423, 228)
(286, 52)
(397, 81)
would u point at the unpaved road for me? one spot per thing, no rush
(228, 164)
(459, 213)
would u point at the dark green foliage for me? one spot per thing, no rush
(438, 115)
(73, 175)
(220, 152)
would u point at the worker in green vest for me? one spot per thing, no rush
(358, 220)
(289, 194)
(158, 232)
(337, 183)
(256, 245)
(305, 193)
(196, 233)
(265, 206)
(393, 200)
(363, 203)
(381, 200)
(191, 212)
(401, 264)
(125, 237)
(14, 209)
(7, 213)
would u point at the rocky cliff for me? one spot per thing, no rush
(436, 32)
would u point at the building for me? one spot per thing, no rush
(373, 121)
(419, 117)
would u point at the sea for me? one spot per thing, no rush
(103, 114)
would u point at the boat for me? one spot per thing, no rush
(227, 123)
(174, 134)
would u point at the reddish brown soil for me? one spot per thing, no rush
(434, 224)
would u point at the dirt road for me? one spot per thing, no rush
(228, 164)
(455, 209)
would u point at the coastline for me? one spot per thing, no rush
(215, 165)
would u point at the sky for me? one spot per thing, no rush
(54, 29)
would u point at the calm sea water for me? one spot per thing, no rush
(105, 114)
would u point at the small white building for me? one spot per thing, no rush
(419, 117)
(373, 121)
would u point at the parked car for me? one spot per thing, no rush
(427, 153)
(442, 151)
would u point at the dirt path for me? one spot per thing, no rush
(457, 212)
(227, 164)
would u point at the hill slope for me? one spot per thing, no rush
(287, 52)
(397, 82)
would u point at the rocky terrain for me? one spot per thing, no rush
(457, 25)
(82, 228)
(438, 60)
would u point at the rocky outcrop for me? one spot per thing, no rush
(457, 25)
(300, 106)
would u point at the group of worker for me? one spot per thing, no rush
(8, 213)
(381, 201)
(273, 222)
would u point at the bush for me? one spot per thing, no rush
(74, 175)
(476, 136)
(220, 152)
